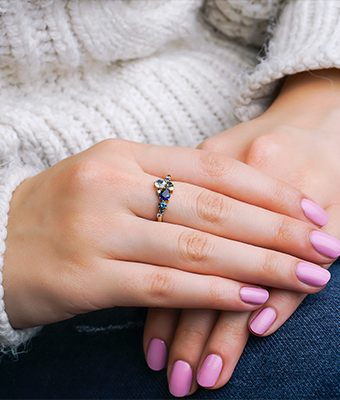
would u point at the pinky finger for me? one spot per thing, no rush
(118, 283)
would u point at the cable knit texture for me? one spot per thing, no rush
(307, 37)
(75, 72)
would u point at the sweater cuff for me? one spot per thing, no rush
(10, 179)
(306, 37)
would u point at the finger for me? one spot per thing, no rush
(159, 330)
(281, 303)
(193, 330)
(117, 283)
(275, 313)
(223, 350)
(211, 212)
(178, 247)
(224, 175)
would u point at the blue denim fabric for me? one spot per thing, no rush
(100, 355)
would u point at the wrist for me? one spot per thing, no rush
(308, 100)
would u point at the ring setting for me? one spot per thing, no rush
(164, 190)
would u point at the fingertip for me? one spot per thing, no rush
(312, 275)
(263, 321)
(210, 371)
(180, 379)
(254, 295)
(157, 354)
(314, 212)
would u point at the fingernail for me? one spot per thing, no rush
(312, 274)
(156, 356)
(254, 295)
(314, 212)
(210, 371)
(180, 380)
(263, 321)
(326, 244)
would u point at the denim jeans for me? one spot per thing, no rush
(99, 355)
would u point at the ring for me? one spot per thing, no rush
(164, 190)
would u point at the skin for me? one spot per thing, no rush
(82, 234)
(297, 140)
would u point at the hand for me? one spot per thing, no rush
(295, 141)
(82, 234)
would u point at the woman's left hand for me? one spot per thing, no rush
(297, 141)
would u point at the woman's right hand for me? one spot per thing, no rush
(82, 235)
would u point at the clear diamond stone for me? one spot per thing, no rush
(160, 184)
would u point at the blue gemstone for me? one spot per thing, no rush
(164, 194)
(162, 205)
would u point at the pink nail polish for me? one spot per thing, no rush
(312, 274)
(210, 371)
(325, 244)
(314, 212)
(180, 380)
(254, 295)
(263, 321)
(156, 356)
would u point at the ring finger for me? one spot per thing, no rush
(211, 212)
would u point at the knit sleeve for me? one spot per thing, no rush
(247, 22)
(306, 37)
(12, 173)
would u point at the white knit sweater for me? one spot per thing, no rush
(74, 72)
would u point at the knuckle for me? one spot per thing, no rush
(215, 165)
(263, 152)
(87, 173)
(230, 332)
(159, 285)
(210, 144)
(216, 294)
(279, 194)
(192, 334)
(193, 246)
(88, 177)
(268, 267)
(284, 231)
(113, 144)
(209, 206)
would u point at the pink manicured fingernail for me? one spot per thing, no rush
(254, 295)
(314, 212)
(263, 321)
(326, 244)
(156, 356)
(180, 380)
(312, 274)
(210, 371)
